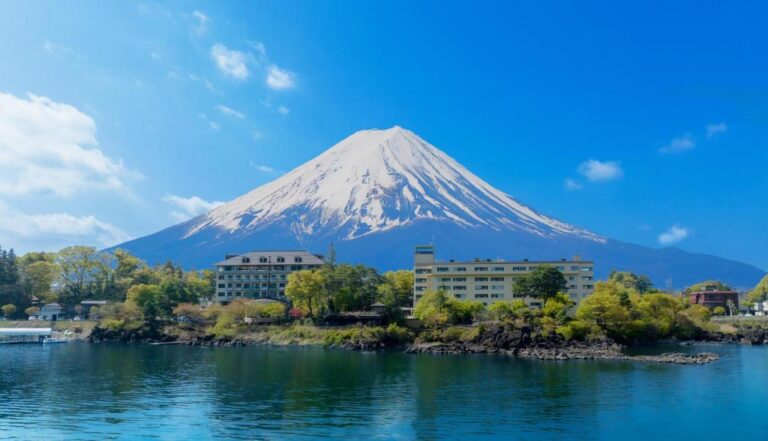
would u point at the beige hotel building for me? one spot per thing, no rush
(488, 280)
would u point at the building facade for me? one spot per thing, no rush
(260, 274)
(711, 297)
(489, 281)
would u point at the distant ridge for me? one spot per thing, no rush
(377, 193)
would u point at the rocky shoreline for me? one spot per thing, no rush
(572, 352)
(522, 342)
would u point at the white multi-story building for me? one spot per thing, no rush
(260, 274)
(488, 280)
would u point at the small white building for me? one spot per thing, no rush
(52, 312)
(761, 308)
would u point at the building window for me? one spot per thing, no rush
(481, 279)
(461, 269)
(497, 279)
(280, 259)
(423, 271)
(297, 259)
(442, 269)
(445, 279)
(497, 287)
(497, 296)
(459, 279)
(262, 260)
(459, 287)
(481, 287)
(498, 268)
(245, 260)
(421, 280)
(419, 288)
(481, 268)
(587, 286)
(518, 268)
(481, 296)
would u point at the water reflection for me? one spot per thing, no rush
(81, 391)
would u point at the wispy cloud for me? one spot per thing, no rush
(283, 110)
(715, 129)
(673, 234)
(599, 171)
(228, 111)
(56, 230)
(213, 125)
(187, 208)
(200, 22)
(262, 168)
(50, 147)
(679, 144)
(572, 184)
(58, 50)
(231, 62)
(280, 79)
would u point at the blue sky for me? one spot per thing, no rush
(645, 123)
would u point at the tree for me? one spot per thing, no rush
(8, 310)
(32, 310)
(760, 292)
(701, 286)
(544, 282)
(79, 270)
(718, 310)
(396, 288)
(307, 289)
(436, 308)
(351, 287)
(641, 283)
(148, 298)
(38, 277)
(509, 310)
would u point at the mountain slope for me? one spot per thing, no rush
(379, 192)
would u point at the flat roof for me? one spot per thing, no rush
(466, 262)
(307, 257)
(25, 331)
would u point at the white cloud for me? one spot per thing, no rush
(262, 168)
(715, 129)
(56, 230)
(201, 22)
(230, 112)
(58, 50)
(283, 110)
(260, 49)
(257, 135)
(673, 234)
(597, 171)
(187, 208)
(572, 184)
(230, 62)
(213, 125)
(50, 147)
(679, 144)
(279, 79)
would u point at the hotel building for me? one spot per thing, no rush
(260, 274)
(488, 280)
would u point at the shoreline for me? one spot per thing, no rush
(523, 343)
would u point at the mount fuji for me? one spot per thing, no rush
(377, 193)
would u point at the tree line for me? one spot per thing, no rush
(79, 273)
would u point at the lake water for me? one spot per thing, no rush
(95, 392)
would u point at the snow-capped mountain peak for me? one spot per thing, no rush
(374, 181)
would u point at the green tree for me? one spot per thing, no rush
(436, 308)
(718, 310)
(543, 282)
(640, 283)
(701, 286)
(80, 267)
(148, 298)
(307, 289)
(32, 310)
(760, 292)
(509, 310)
(396, 289)
(351, 287)
(8, 310)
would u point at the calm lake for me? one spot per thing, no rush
(94, 392)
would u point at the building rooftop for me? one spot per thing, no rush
(271, 256)
(502, 261)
